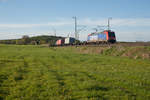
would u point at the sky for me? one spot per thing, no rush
(130, 18)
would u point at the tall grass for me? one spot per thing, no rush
(38, 73)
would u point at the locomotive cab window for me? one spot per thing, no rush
(111, 34)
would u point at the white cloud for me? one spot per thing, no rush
(61, 23)
(33, 25)
(132, 22)
(127, 29)
(19, 25)
(117, 22)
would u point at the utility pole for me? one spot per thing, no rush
(76, 34)
(109, 22)
(54, 30)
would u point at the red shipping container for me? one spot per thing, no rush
(60, 42)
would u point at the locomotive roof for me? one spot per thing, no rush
(100, 32)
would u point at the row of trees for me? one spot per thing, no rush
(25, 40)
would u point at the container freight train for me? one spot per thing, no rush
(106, 36)
(66, 41)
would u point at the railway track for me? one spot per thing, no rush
(126, 44)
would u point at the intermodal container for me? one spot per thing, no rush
(60, 42)
(69, 40)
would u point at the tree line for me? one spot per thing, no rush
(26, 40)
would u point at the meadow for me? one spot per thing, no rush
(43, 73)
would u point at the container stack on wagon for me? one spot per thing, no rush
(60, 42)
(66, 41)
(69, 41)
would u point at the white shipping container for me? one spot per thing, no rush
(67, 40)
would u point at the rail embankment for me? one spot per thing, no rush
(135, 52)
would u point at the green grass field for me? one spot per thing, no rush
(42, 73)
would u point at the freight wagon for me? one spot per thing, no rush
(66, 41)
(60, 42)
(99, 37)
(69, 40)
